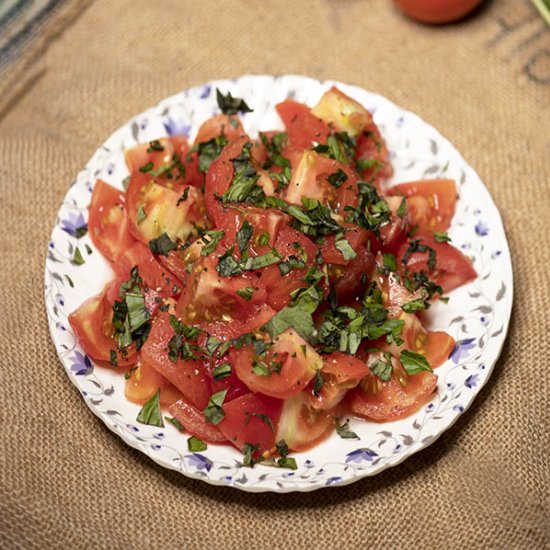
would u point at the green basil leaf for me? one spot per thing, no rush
(196, 445)
(413, 362)
(150, 413)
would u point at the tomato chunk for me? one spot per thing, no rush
(195, 423)
(143, 383)
(108, 222)
(187, 375)
(430, 203)
(283, 371)
(304, 128)
(252, 418)
(385, 401)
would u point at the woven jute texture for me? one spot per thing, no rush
(67, 482)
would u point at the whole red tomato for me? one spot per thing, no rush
(437, 11)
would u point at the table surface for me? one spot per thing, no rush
(65, 480)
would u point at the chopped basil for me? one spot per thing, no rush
(264, 418)
(211, 239)
(413, 362)
(214, 412)
(138, 314)
(344, 431)
(373, 211)
(259, 262)
(243, 236)
(338, 178)
(292, 262)
(248, 451)
(441, 237)
(415, 305)
(146, 167)
(212, 344)
(162, 245)
(245, 293)
(155, 145)
(402, 210)
(260, 369)
(150, 413)
(81, 231)
(244, 186)
(141, 214)
(291, 317)
(390, 262)
(318, 383)
(228, 265)
(196, 445)
(383, 368)
(222, 371)
(416, 246)
(287, 462)
(184, 196)
(344, 246)
(263, 239)
(175, 422)
(368, 164)
(113, 358)
(77, 258)
(230, 105)
(209, 151)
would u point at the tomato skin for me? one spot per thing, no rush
(108, 222)
(303, 128)
(262, 220)
(219, 178)
(340, 372)
(310, 172)
(195, 423)
(137, 156)
(92, 324)
(303, 427)
(163, 210)
(430, 204)
(242, 422)
(144, 381)
(279, 287)
(437, 11)
(299, 363)
(187, 376)
(208, 297)
(154, 275)
(386, 401)
(230, 126)
(452, 269)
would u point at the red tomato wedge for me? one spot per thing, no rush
(302, 426)
(228, 126)
(108, 222)
(252, 418)
(430, 203)
(187, 375)
(452, 268)
(92, 323)
(283, 371)
(304, 129)
(143, 383)
(159, 153)
(292, 246)
(218, 180)
(154, 209)
(340, 373)
(195, 423)
(154, 275)
(384, 401)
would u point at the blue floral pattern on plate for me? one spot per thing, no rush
(477, 315)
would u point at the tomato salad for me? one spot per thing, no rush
(267, 289)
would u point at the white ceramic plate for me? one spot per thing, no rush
(476, 316)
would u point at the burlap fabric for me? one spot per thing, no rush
(67, 482)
